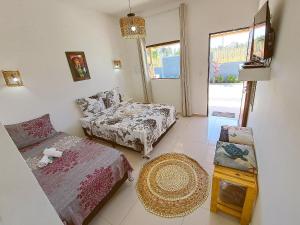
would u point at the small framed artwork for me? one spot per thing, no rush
(78, 66)
(12, 78)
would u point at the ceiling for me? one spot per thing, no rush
(117, 7)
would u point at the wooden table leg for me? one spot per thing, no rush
(248, 206)
(214, 194)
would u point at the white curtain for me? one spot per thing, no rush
(146, 80)
(184, 64)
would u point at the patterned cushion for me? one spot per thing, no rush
(31, 132)
(224, 134)
(236, 156)
(112, 97)
(90, 106)
(237, 135)
(102, 95)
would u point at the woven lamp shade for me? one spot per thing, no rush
(132, 26)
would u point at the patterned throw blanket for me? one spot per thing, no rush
(78, 181)
(134, 125)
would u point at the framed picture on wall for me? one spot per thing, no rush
(78, 66)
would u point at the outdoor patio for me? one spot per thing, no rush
(225, 98)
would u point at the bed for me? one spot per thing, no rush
(134, 125)
(80, 182)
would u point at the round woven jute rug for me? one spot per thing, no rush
(172, 185)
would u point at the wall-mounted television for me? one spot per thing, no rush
(263, 35)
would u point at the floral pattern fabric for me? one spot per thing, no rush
(90, 106)
(134, 125)
(111, 98)
(94, 188)
(78, 181)
(62, 164)
(31, 132)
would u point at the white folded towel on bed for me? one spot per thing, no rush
(52, 152)
(49, 153)
(44, 161)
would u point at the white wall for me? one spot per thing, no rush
(34, 37)
(133, 70)
(164, 27)
(22, 201)
(203, 17)
(276, 123)
(167, 91)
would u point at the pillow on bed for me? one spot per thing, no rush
(113, 97)
(31, 132)
(90, 106)
(102, 95)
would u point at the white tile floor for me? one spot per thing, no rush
(189, 136)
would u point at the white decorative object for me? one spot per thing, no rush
(44, 161)
(52, 152)
(254, 74)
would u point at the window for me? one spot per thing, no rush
(164, 60)
(228, 50)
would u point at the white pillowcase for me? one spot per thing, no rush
(240, 135)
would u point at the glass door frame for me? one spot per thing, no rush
(245, 104)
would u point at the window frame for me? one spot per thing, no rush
(160, 45)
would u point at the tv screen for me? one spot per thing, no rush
(259, 40)
(261, 48)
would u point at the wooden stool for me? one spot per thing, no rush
(244, 179)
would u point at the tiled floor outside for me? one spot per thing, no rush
(225, 98)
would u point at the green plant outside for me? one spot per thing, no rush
(232, 79)
(221, 80)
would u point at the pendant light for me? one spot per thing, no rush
(132, 26)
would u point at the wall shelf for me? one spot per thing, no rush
(254, 74)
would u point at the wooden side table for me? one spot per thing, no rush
(244, 179)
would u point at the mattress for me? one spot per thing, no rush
(133, 125)
(77, 182)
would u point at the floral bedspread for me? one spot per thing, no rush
(78, 181)
(134, 125)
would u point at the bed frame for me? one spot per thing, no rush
(114, 144)
(105, 200)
